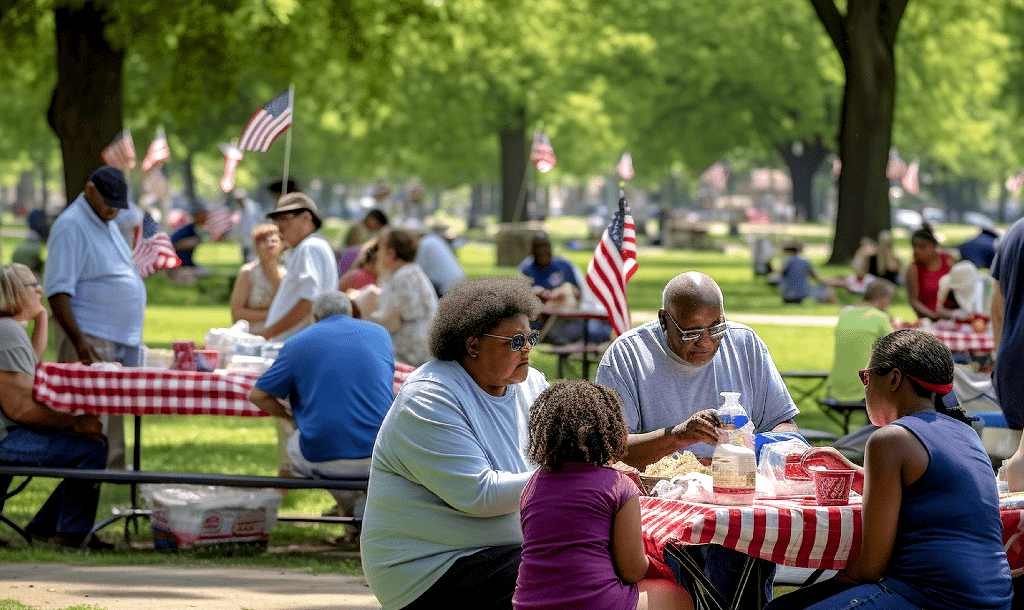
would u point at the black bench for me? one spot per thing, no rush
(840, 411)
(585, 352)
(135, 477)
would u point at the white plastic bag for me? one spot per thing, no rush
(772, 466)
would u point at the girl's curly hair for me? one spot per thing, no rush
(470, 309)
(576, 421)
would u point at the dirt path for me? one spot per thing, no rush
(51, 585)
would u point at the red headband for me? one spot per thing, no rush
(941, 390)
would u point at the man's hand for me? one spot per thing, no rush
(87, 354)
(701, 427)
(88, 425)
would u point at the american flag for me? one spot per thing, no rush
(910, 177)
(896, 167)
(625, 166)
(121, 152)
(716, 176)
(1015, 182)
(220, 222)
(267, 123)
(613, 264)
(153, 250)
(158, 151)
(542, 153)
(232, 156)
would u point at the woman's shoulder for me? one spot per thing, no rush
(248, 267)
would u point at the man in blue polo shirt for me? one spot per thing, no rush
(335, 379)
(96, 294)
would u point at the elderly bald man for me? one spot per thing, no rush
(670, 373)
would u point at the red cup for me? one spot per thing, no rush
(185, 356)
(208, 359)
(832, 487)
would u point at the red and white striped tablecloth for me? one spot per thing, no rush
(794, 532)
(957, 337)
(76, 387)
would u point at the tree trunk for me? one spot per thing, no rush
(476, 207)
(85, 110)
(865, 38)
(803, 159)
(513, 168)
(188, 180)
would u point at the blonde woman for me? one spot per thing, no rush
(258, 280)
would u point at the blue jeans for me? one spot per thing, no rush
(834, 595)
(71, 508)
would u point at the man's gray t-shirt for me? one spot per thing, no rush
(660, 390)
(16, 356)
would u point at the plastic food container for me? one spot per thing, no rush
(206, 517)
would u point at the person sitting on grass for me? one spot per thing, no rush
(33, 434)
(797, 273)
(931, 534)
(576, 484)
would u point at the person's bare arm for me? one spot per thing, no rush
(914, 295)
(19, 406)
(390, 318)
(60, 304)
(268, 403)
(294, 317)
(885, 457)
(787, 426)
(649, 447)
(628, 555)
(996, 313)
(239, 299)
(40, 332)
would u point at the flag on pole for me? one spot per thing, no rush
(232, 155)
(220, 222)
(120, 153)
(153, 250)
(716, 176)
(158, 151)
(910, 178)
(897, 167)
(613, 264)
(268, 122)
(625, 166)
(542, 153)
(1015, 182)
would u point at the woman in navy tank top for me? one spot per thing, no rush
(931, 536)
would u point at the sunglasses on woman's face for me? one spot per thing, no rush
(864, 375)
(518, 340)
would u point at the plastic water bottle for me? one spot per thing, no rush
(733, 467)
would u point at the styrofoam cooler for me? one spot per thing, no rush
(205, 516)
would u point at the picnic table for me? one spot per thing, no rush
(958, 336)
(787, 531)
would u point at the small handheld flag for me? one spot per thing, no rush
(910, 179)
(613, 264)
(542, 153)
(220, 222)
(120, 153)
(232, 156)
(268, 122)
(158, 152)
(153, 250)
(716, 176)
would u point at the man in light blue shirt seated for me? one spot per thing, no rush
(95, 292)
(670, 373)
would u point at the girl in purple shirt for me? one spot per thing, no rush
(582, 546)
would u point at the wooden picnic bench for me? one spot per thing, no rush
(136, 477)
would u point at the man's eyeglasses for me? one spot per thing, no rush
(864, 375)
(518, 340)
(716, 332)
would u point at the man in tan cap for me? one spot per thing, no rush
(311, 269)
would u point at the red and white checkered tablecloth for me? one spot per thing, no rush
(957, 337)
(76, 387)
(793, 532)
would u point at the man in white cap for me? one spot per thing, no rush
(311, 269)
(96, 294)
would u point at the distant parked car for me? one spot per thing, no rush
(906, 218)
(978, 220)
(933, 215)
